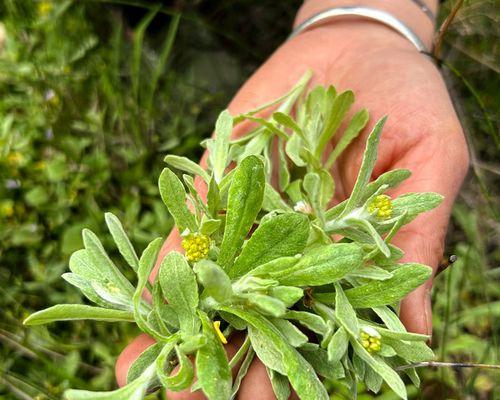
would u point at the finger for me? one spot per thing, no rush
(129, 355)
(257, 385)
(231, 348)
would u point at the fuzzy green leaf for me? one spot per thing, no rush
(344, 312)
(299, 372)
(280, 236)
(145, 359)
(100, 260)
(322, 265)
(415, 203)
(179, 286)
(74, 312)
(133, 391)
(379, 293)
(212, 367)
(381, 368)
(244, 202)
(281, 387)
(367, 165)
(311, 321)
(173, 195)
(186, 165)
(184, 375)
(122, 241)
(214, 280)
(338, 345)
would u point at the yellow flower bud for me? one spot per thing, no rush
(221, 336)
(196, 246)
(370, 339)
(382, 205)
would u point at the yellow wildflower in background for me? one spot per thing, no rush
(44, 8)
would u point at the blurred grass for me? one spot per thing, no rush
(93, 94)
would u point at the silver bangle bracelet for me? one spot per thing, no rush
(365, 12)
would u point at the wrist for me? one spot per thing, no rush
(406, 11)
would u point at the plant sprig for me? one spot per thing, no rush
(263, 260)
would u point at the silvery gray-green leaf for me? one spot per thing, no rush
(173, 195)
(344, 312)
(242, 371)
(183, 295)
(366, 169)
(372, 272)
(280, 236)
(213, 278)
(218, 153)
(145, 360)
(287, 294)
(273, 201)
(99, 258)
(322, 265)
(122, 241)
(311, 321)
(133, 391)
(415, 203)
(182, 378)
(212, 367)
(318, 358)
(382, 369)
(244, 202)
(146, 265)
(354, 128)
(74, 312)
(281, 387)
(337, 346)
(299, 372)
(186, 165)
(379, 293)
(290, 332)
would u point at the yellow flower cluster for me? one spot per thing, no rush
(196, 246)
(44, 8)
(383, 205)
(371, 340)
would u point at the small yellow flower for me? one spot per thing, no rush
(15, 158)
(112, 288)
(44, 8)
(40, 165)
(196, 246)
(7, 208)
(382, 205)
(221, 336)
(370, 339)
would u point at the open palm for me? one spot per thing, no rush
(422, 134)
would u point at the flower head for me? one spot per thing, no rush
(382, 206)
(370, 339)
(302, 207)
(196, 246)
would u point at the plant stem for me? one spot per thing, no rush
(438, 364)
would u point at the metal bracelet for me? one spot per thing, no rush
(365, 12)
(426, 10)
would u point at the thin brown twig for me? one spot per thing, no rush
(438, 40)
(447, 364)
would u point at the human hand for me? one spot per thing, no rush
(422, 134)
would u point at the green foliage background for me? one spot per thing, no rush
(92, 96)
